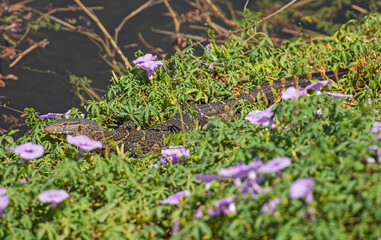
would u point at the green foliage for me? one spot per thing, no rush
(116, 197)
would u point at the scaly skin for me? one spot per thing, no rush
(151, 139)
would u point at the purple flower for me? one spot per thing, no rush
(270, 206)
(302, 188)
(318, 112)
(148, 63)
(207, 46)
(251, 186)
(223, 206)
(50, 115)
(378, 137)
(376, 127)
(83, 142)
(4, 202)
(176, 226)
(337, 95)
(146, 58)
(210, 67)
(317, 85)
(275, 165)
(260, 116)
(3, 191)
(67, 114)
(154, 166)
(174, 153)
(208, 178)
(292, 93)
(175, 198)
(372, 147)
(28, 151)
(53, 196)
(198, 213)
(240, 170)
(24, 180)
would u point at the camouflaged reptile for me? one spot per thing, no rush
(151, 139)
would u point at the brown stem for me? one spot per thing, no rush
(218, 13)
(31, 48)
(103, 29)
(131, 15)
(173, 15)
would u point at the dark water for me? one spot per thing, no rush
(43, 82)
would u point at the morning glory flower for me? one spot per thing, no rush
(154, 166)
(292, 93)
(3, 191)
(372, 147)
(261, 117)
(4, 202)
(198, 213)
(176, 226)
(240, 170)
(208, 178)
(378, 137)
(83, 142)
(376, 127)
(207, 46)
(24, 180)
(53, 196)
(223, 206)
(302, 188)
(318, 112)
(28, 151)
(67, 114)
(210, 67)
(174, 153)
(251, 186)
(270, 206)
(175, 198)
(275, 165)
(148, 63)
(317, 85)
(50, 115)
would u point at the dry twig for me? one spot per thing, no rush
(131, 15)
(103, 29)
(41, 44)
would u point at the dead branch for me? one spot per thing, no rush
(131, 15)
(41, 44)
(173, 15)
(157, 51)
(103, 29)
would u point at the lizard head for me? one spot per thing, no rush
(73, 126)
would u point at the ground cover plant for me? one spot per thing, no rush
(308, 169)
